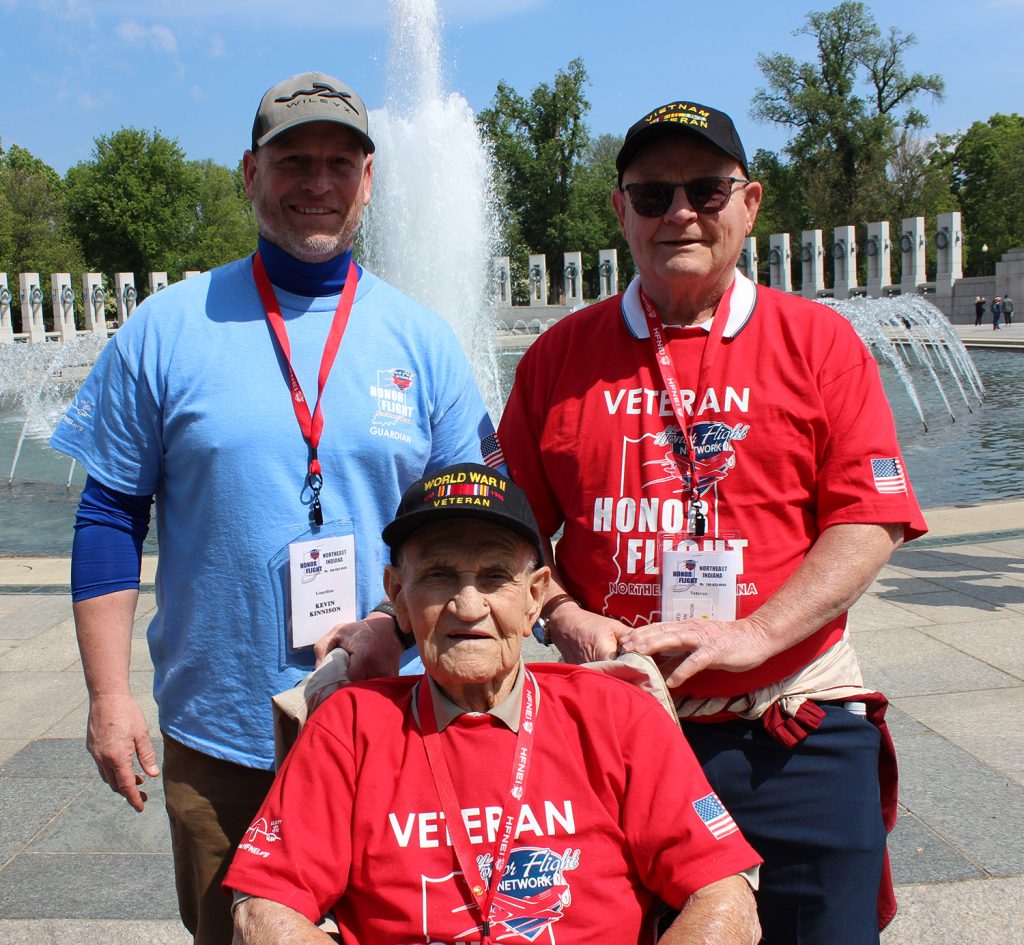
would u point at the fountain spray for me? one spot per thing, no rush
(431, 227)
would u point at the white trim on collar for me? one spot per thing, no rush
(741, 308)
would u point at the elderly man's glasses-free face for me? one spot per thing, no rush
(706, 194)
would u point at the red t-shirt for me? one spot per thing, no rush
(794, 434)
(353, 823)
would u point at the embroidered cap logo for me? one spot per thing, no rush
(320, 90)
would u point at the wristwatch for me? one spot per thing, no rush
(386, 607)
(546, 612)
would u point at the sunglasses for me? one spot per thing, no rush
(653, 198)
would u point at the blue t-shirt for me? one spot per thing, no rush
(190, 401)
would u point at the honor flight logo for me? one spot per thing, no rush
(659, 503)
(394, 414)
(532, 896)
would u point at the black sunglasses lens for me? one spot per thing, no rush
(651, 199)
(708, 194)
(654, 198)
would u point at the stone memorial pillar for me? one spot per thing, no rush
(572, 279)
(912, 260)
(779, 275)
(157, 281)
(62, 300)
(32, 307)
(748, 259)
(94, 298)
(844, 261)
(501, 272)
(538, 275)
(879, 253)
(812, 264)
(126, 296)
(949, 258)
(191, 273)
(949, 248)
(607, 273)
(6, 322)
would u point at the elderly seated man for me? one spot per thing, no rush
(488, 801)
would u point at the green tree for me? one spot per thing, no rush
(987, 180)
(846, 110)
(34, 233)
(224, 226)
(34, 236)
(134, 203)
(554, 189)
(783, 209)
(594, 225)
(920, 176)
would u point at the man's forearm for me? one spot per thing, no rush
(722, 913)
(104, 628)
(117, 732)
(263, 922)
(837, 570)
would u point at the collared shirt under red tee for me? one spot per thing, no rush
(794, 434)
(353, 822)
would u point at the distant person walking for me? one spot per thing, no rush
(979, 309)
(997, 312)
(1007, 310)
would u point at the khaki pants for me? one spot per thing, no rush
(210, 804)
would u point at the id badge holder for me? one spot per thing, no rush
(314, 579)
(698, 576)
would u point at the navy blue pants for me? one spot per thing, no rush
(813, 814)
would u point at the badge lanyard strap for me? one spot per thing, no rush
(483, 894)
(671, 382)
(312, 427)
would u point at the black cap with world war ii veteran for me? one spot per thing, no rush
(465, 490)
(307, 97)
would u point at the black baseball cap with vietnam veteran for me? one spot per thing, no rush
(682, 118)
(306, 97)
(465, 490)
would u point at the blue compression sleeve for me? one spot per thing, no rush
(110, 528)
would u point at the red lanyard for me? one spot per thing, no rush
(483, 893)
(671, 382)
(312, 426)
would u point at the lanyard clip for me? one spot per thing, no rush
(316, 482)
(699, 524)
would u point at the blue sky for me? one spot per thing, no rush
(195, 69)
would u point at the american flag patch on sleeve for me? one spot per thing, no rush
(888, 475)
(714, 815)
(490, 450)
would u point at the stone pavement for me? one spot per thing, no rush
(941, 631)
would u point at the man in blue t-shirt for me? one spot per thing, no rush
(276, 407)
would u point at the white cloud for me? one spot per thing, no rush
(163, 39)
(217, 47)
(135, 34)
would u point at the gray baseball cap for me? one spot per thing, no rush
(306, 97)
